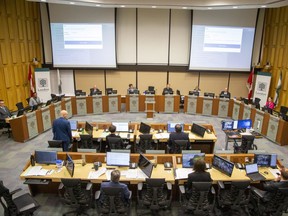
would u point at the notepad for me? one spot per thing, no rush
(96, 174)
(182, 173)
(37, 171)
(162, 135)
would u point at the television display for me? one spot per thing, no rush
(228, 125)
(118, 159)
(144, 128)
(45, 157)
(171, 126)
(189, 159)
(20, 112)
(121, 126)
(88, 128)
(73, 124)
(266, 160)
(145, 165)
(70, 166)
(198, 130)
(244, 124)
(223, 165)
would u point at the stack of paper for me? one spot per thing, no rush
(36, 171)
(182, 173)
(96, 174)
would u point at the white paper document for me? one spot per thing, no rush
(182, 173)
(37, 171)
(96, 174)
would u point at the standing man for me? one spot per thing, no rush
(62, 130)
(177, 135)
(34, 100)
(4, 111)
(94, 91)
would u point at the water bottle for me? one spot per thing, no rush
(32, 160)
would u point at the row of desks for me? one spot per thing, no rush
(159, 171)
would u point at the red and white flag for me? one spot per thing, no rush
(249, 84)
(31, 82)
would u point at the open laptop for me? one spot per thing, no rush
(253, 173)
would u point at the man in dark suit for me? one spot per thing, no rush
(94, 91)
(4, 111)
(112, 130)
(62, 130)
(225, 94)
(177, 135)
(167, 90)
(114, 182)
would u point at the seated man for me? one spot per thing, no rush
(4, 111)
(114, 182)
(131, 89)
(225, 94)
(94, 91)
(112, 130)
(167, 90)
(34, 100)
(177, 135)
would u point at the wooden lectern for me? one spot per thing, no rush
(150, 106)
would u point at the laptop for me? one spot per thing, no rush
(253, 173)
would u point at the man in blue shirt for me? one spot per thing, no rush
(62, 130)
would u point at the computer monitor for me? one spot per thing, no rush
(224, 96)
(48, 102)
(145, 165)
(70, 166)
(198, 130)
(118, 159)
(266, 160)
(73, 124)
(229, 125)
(35, 107)
(20, 112)
(244, 124)
(121, 126)
(144, 128)
(171, 126)
(88, 128)
(195, 93)
(109, 91)
(189, 159)
(222, 165)
(45, 157)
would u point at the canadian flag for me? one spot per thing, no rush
(249, 84)
(31, 82)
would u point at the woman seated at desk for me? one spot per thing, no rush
(269, 106)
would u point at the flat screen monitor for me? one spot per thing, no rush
(45, 157)
(135, 91)
(145, 165)
(70, 166)
(171, 126)
(88, 128)
(20, 112)
(189, 159)
(73, 124)
(223, 165)
(118, 159)
(224, 95)
(121, 126)
(229, 125)
(244, 124)
(109, 91)
(144, 128)
(266, 160)
(198, 130)
(48, 102)
(283, 110)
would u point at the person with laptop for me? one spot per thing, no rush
(177, 135)
(112, 130)
(114, 183)
(62, 130)
(199, 175)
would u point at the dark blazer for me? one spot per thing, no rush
(197, 177)
(125, 192)
(177, 136)
(226, 94)
(94, 92)
(108, 146)
(62, 130)
(167, 91)
(4, 113)
(271, 187)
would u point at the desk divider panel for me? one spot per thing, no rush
(113, 103)
(207, 106)
(32, 124)
(68, 106)
(247, 112)
(169, 104)
(81, 105)
(134, 103)
(97, 104)
(272, 128)
(236, 109)
(57, 107)
(223, 107)
(258, 123)
(46, 119)
(191, 104)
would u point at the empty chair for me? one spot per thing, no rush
(109, 91)
(19, 106)
(257, 103)
(76, 196)
(114, 143)
(109, 201)
(178, 146)
(155, 151)
(258, 151)
(20, 205)
(247, 143)
(151, 89)
(77, 92)
(155, 194)
(4, 125)
(86, 141)
(57, 144)
(234, 195)
(145, 143)
(201, 201)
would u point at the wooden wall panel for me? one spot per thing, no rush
(213, 82)
(183, 81)
(156, 79)
(120, 80)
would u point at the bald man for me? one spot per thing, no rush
(62, 130)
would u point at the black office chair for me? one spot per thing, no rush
(78, 92)
(201, 201)
(58, 144)
(114, 143)
(151, 89)
(28, 99)
(109, 91)
(76, 196)
(247, 143)
(145, 143)
(4, 125)
(257, 103)
(178, 146)
(276, 206)
(20, 205)
(109, 202)
(234, 196)
(155, 195)
(86, 141)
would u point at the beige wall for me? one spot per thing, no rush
(120, 80)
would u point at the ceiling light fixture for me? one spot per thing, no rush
(235, 7)
(97, 5)
(263, 6)
(209, 8)
(153, 6)
(184, 7)
(72, 2)
(122, 6)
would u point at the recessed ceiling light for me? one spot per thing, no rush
(43, 0)
(153, 6)
(97, 5)
(122, 6)
(235, 7)
(263, 6)
(184, 7)
(72, 2)
(209, 8)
